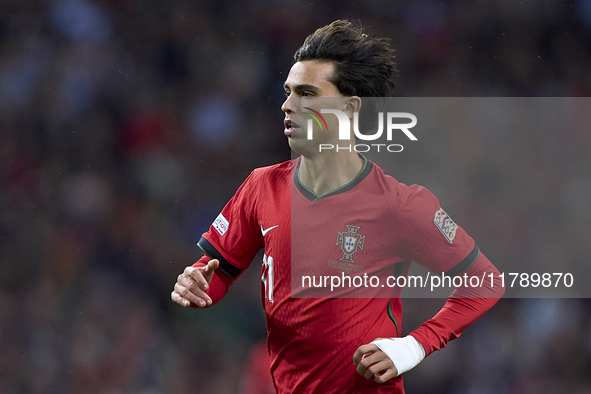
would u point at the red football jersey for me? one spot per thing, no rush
(374, 225)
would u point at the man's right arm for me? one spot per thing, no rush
(201, 285)
(230, 244)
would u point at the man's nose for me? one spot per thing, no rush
(286, 106)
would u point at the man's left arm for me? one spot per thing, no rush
(385, 358)
(464, 307)
(427, 235)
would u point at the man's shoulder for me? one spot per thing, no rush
(279, 168)
(273, 172)
(392, 184)
(404, 194)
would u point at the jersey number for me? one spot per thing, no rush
(267, 276)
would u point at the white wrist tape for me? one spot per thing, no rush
(406, 353)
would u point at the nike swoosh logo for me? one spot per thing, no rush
(267, 230)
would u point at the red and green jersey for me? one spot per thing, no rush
(374, 225)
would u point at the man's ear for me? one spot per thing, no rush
(353, 105)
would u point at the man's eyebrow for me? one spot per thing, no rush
(302, 87)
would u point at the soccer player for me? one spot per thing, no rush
(329, 212)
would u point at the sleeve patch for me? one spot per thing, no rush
(221, 224)
(447, 226)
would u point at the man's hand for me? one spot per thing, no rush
(192, 284)
(371, 361)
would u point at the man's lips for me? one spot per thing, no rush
(290, 127)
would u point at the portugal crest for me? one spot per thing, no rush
(350, 241)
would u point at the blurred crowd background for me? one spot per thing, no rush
(126, 125)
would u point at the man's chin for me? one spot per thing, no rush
(298, 145)
(302, 146)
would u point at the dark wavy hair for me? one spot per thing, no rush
(364, 66)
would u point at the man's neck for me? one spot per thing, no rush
(327, 172)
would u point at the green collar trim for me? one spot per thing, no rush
(310, 195)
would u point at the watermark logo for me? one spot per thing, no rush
(389, 118)
(317, 117)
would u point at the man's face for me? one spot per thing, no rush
(308, 88)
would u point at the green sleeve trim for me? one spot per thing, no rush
(204, 251)
(391, 316)
(225, 266)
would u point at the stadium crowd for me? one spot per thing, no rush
(125, 126)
